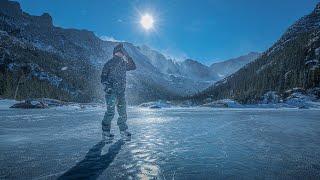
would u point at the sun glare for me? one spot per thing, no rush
(147, 21)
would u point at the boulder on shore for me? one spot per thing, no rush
(157, 104)
(30, 104)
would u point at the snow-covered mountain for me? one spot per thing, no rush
(76, 57)
(158, 60)
(226, 68)
(194, 69)
(190, 69)
(66, 63)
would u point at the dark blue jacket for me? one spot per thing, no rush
(113, 74)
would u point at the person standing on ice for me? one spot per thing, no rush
(113, 78)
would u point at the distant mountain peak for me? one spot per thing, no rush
(194, 63)
(191, 61)
(46, 18)
(10, 8)
(13, 9)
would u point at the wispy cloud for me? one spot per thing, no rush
(110, 38)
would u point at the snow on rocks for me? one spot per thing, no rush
(312, 62)
(38, 103)
(270, 97)
(314, 92)
(223, 103)
(64, 68)
(42, 46)
(41, 103)
(187, 103)
(52, 102)
(293, 98)
(301, 100)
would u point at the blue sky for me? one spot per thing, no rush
(207, 31)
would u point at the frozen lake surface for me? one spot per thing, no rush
(177, 143)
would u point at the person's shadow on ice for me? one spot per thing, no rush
(94, 163)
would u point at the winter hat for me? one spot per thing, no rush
(118, 48)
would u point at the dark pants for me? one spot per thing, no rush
(114, 99)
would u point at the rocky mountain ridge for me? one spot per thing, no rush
(292, 62)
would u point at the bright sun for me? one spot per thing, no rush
(147, 21)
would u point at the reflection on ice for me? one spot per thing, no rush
(149, 171)
(146, 155)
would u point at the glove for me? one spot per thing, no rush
(126, 54)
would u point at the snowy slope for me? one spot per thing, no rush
(225, 68)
